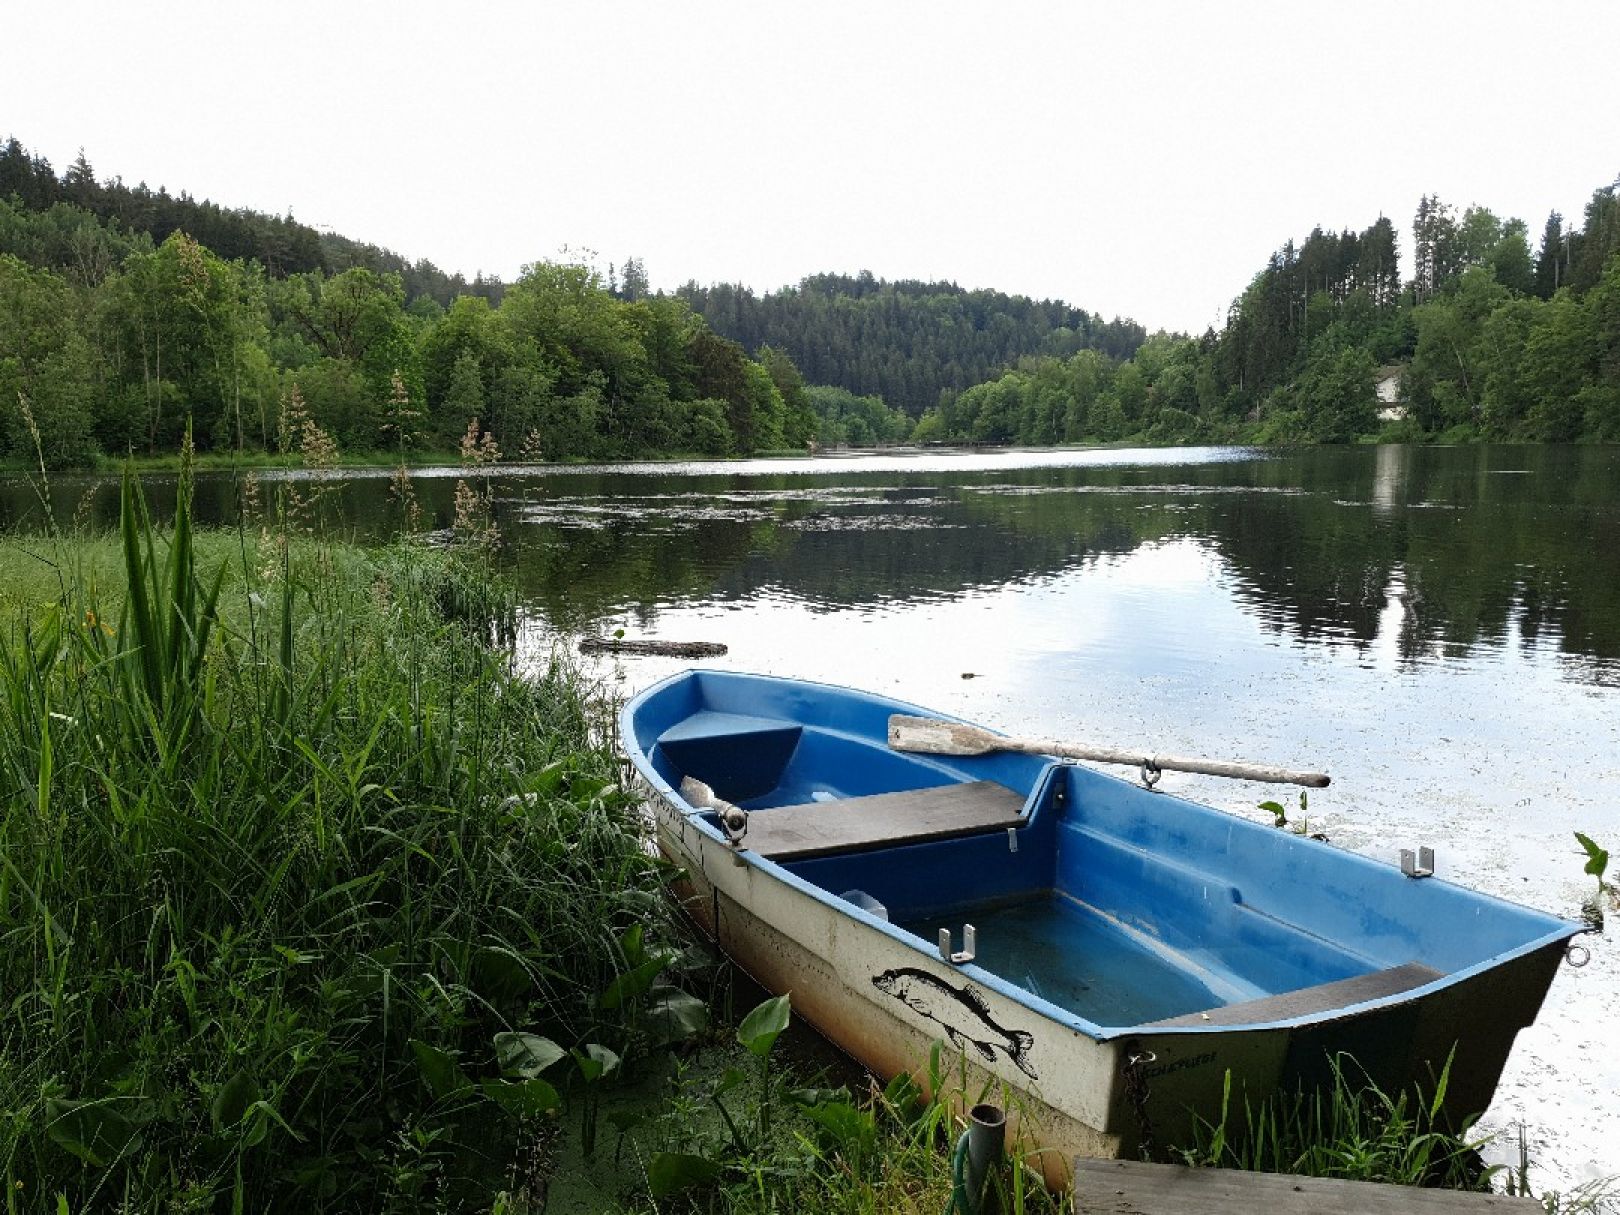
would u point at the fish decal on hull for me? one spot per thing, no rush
(961, 1012)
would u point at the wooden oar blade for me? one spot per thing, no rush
(930, 736)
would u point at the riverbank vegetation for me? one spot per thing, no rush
(1488, 339)
(290, 850)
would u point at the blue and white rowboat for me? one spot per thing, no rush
(1125, 941)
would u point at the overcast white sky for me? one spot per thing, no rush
(1139, 159)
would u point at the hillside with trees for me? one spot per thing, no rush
(118, 336)
(129, 316)
(1490, 338)
(904, 342)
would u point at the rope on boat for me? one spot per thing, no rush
(1136, 1092)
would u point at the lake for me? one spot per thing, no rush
(1439, 628)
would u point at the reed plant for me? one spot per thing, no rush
(272, 850)
(1348, 1128)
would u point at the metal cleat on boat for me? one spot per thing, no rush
(1418, 865)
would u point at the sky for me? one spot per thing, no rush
(1135, 159)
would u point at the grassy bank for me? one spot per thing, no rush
(286, 848)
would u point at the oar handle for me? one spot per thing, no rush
(1236, 769)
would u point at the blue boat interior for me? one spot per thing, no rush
(1117, 905)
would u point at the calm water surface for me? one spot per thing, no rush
(1438, 628)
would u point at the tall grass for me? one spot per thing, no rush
(269, 847)
(1349, 1128)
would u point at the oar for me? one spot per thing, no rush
(933, 737)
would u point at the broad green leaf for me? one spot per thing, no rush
(524, 1097)
(674, 1016)
(444, 1078)
(729, 1079)
(1597, 858)
(632, 983)
(525, 1055)
(761, 1027)
(811, 1097)
(499, 974)
(671, 1172)
(232, 1101)
(595, 1062)
(635, 953)
(94, 1131)
(848, 1129)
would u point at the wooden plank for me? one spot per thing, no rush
(858, 824)
(1341, 993)
(1127, 1187)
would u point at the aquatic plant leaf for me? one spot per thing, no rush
(808, 1097)
(671, 1172)
(233, 1100)
(523, 1097)
(761, 1027)
(632, 983)
(1597, 858)
(525, 1055)
(444, 1078)
(675, 1015)
(844, 1127)
(94, 1131)
(595, 1061)
(499, 974)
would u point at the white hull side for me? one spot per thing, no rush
(1069, 1091)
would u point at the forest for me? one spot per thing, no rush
(1489, 338)
(905, 342)
(120, 330)
(128, 316)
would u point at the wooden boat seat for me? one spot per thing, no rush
(1323, 997)
(882, 820)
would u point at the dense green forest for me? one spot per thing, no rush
(119, 329)
(1489, 339)
(905, 342)
(127, 315)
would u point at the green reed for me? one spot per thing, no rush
(1349, 1128)
(274, 831)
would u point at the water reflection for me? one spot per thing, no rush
(1415, 554)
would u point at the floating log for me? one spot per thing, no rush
(665, 649)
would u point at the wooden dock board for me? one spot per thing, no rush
(857, 824)
(1126, 1187)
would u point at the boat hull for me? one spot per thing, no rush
(1075, 1087)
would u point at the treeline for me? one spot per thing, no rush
(906, 342)
(846, 420)
(111, 344)
(1487, 339)
(280, 244)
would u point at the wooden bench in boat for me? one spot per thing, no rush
(1127, 1187)
(856, 824)
(1323, 997)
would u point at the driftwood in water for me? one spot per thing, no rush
(666, 649)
